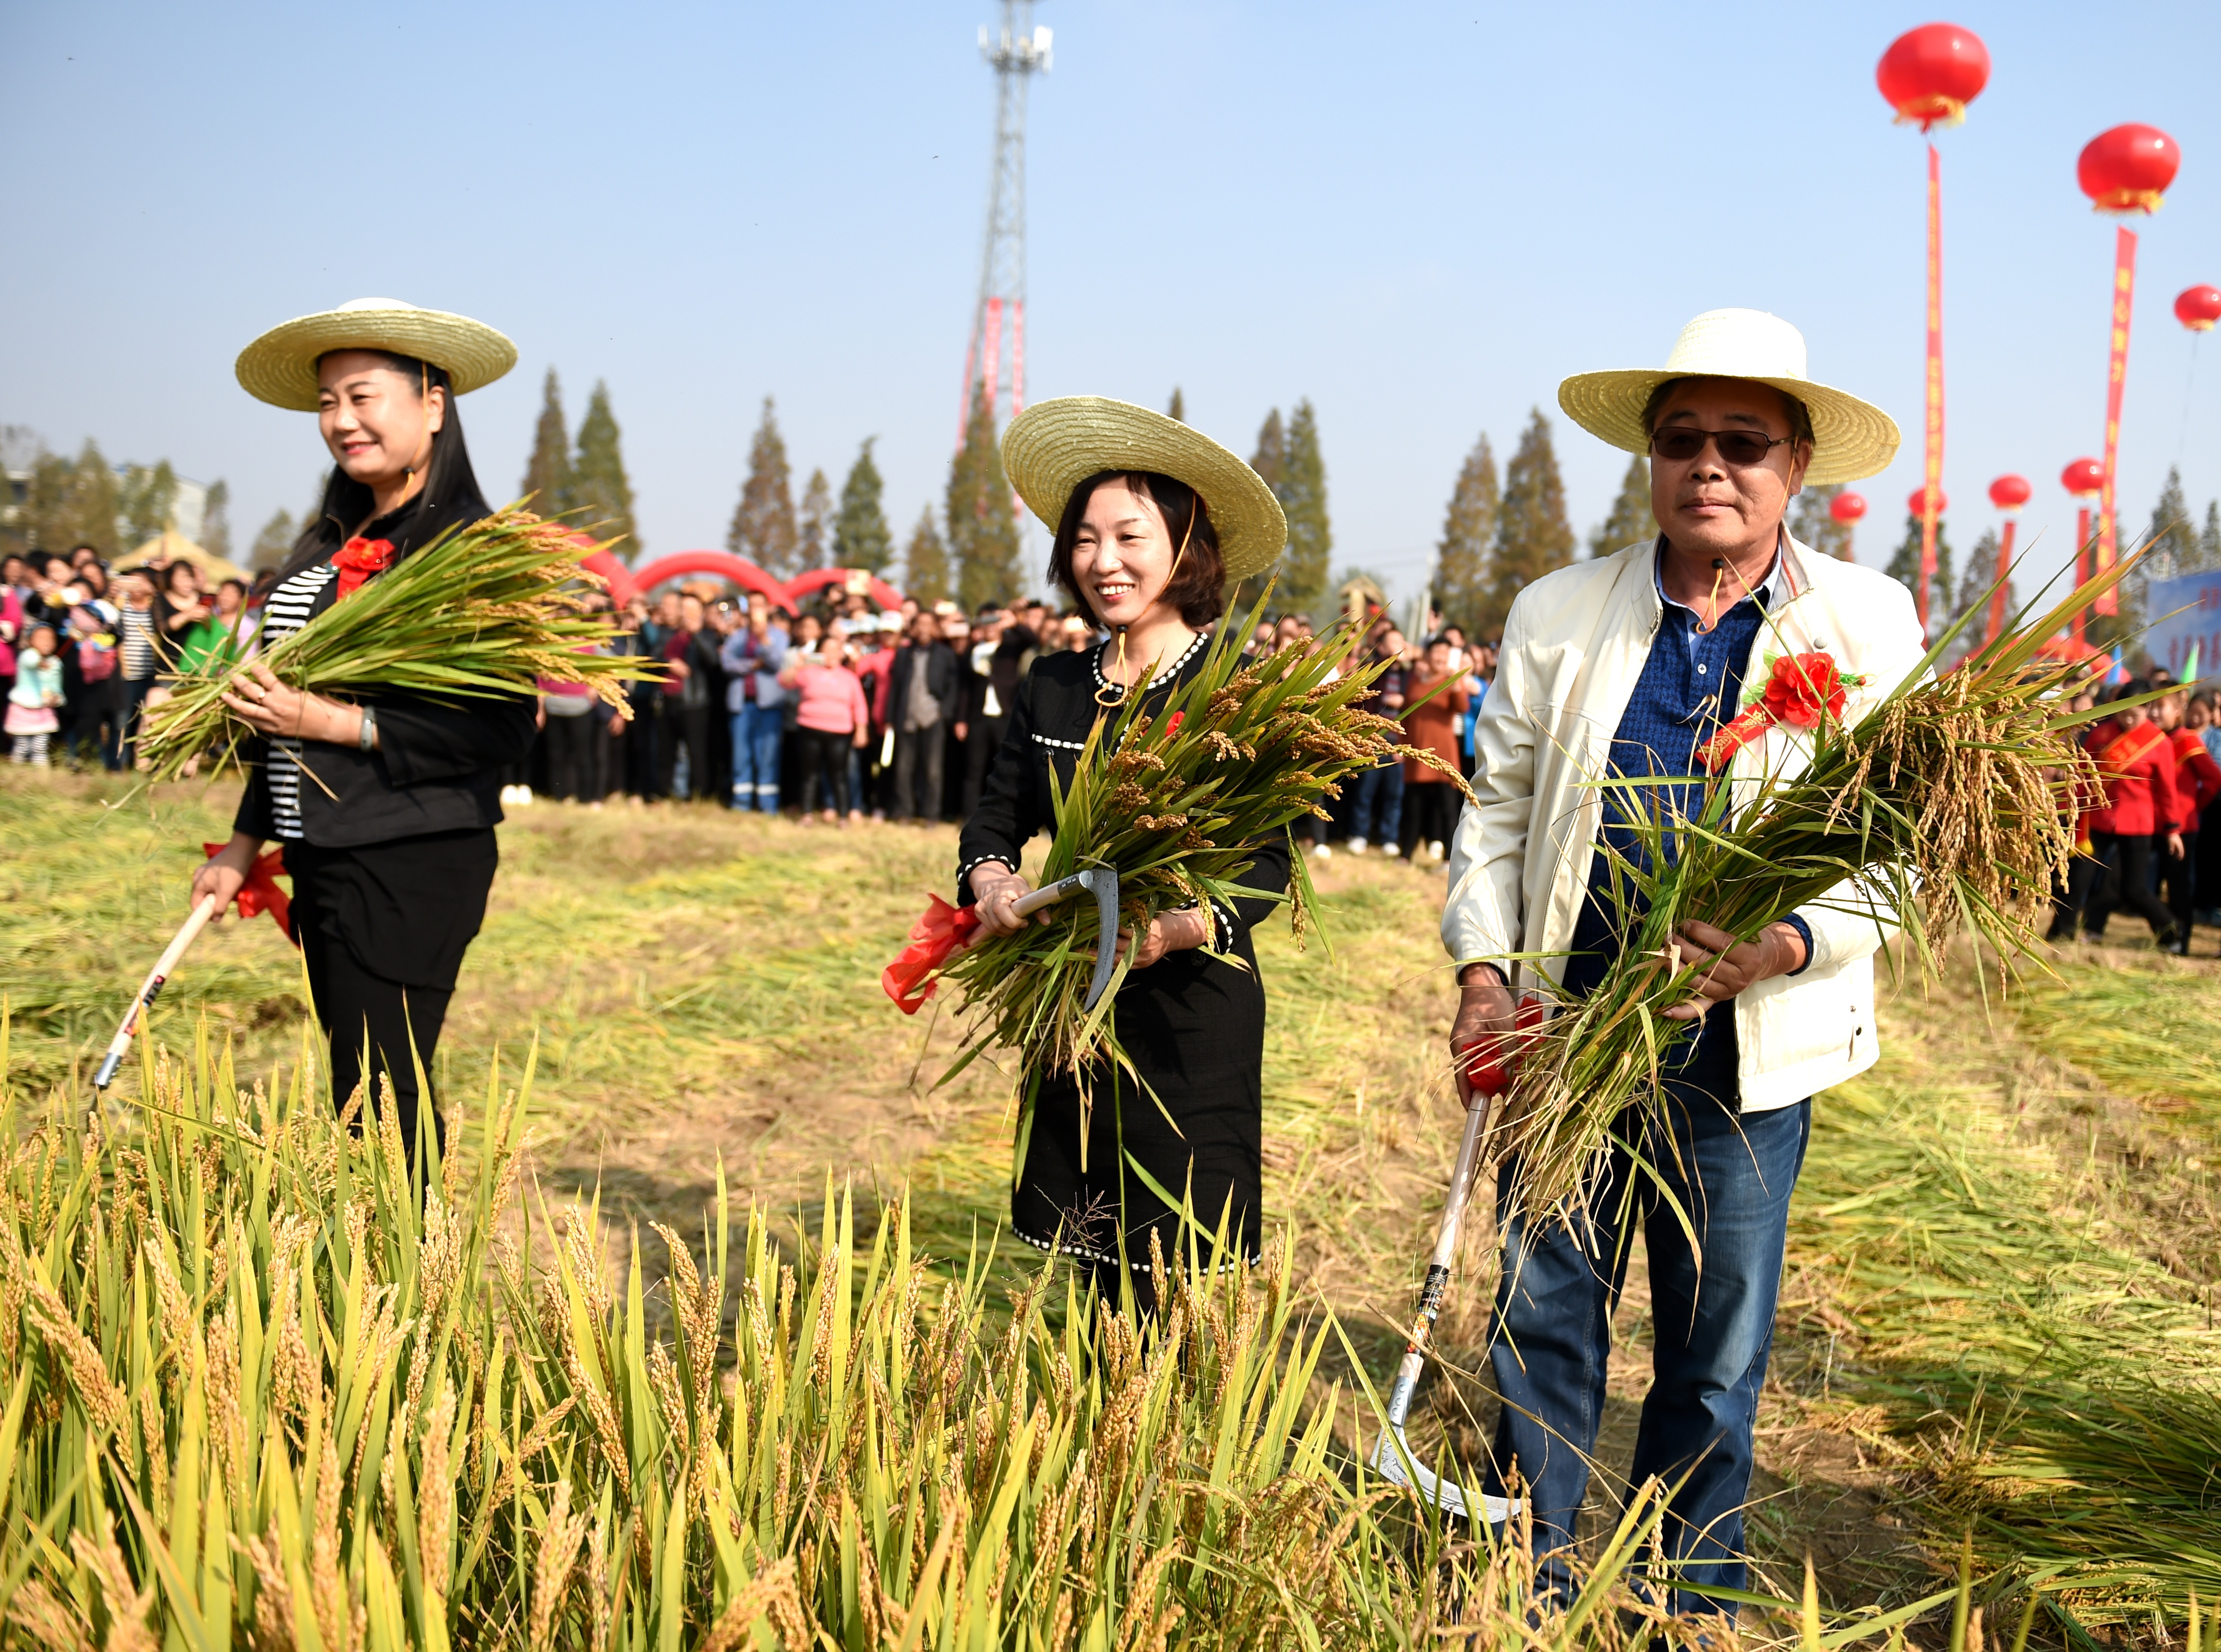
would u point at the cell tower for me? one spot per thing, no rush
(1016, 51)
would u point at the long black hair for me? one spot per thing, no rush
(450, 494)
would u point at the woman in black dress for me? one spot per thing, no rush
(1153, 521)
(385, 806)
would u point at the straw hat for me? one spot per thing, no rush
(1052, 446)
(1850, 438)
(280, 366)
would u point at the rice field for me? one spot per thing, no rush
(1999, 1323)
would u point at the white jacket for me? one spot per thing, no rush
(1574, 645)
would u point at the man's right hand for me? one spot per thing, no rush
(1486, 1009)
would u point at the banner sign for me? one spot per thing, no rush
(2186, 614)
(2125, 286)
(1933, 475)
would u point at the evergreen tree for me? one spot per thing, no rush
(982, 528)
(1468, 527)
(146, 498)
(1532, 535)
(1904, 568)
(2174, 540)
(2209, 543)
(1631, 521)
(763, 521)
(1303, 496)
(215, 520)
(926, 572)
(1974, 595)
(1811, 524)
(1179, 408)
(860, 536)
(547, 472)
(815, 524)
(1270, 461)
(74, 501)
(270, 545)
(599, 490)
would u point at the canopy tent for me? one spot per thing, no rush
(168, 547)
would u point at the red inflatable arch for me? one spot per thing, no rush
(614, 574)
(722, 564)
(817, 578)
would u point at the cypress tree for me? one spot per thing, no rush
(547, 472)
(815, 522)
(599, 489)
(1303, 496)
(1532, 534)
(75, 501)
(1904, 568)
(2209, 543)
(1631, 521)
(1811, 524)
(270, 545)
(983, 530)
(1461, 559)
(2173, 541)
(215, 520)
(927, 570)
(860, 536)
(763, 523)
(1270, 461)
(1179, 408)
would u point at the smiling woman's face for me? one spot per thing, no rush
(377, 422)
(1121, 557)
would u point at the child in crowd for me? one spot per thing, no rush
(35, 699)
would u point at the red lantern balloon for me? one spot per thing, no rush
(1929, 74)
(2198, 307)
(1918, 502)
(1846, 508)
(2010, 492)
(2128, 168)
(2083, 477)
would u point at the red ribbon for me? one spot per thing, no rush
(260, 893)
(1802, 689)
(358, 560)
(1491, 1062)
(933, 939)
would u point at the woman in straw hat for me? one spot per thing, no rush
(385, 806)
(1153, 521)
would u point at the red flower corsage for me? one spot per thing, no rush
(1800, 689)
(358, 560)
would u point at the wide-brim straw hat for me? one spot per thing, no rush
(1052, 446)
(280, 366)
(1850, 438)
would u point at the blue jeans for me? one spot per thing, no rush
(756, 733)
(1379, 804)
(1552, 1334)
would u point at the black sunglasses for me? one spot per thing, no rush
(1741, 449)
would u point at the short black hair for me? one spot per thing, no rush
(1801, 416)
(1198, 586)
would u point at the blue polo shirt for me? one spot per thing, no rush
(1691, 684)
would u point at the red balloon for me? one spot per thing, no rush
(1918, 503)
(2084, 476)
(2128, 168)
(1847, 507)
(1929, 74)
(2198, 307)
(2010, 492)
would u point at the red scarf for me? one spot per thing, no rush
(358, 560)
(2118, 758)
(909, 980)
(260, 893)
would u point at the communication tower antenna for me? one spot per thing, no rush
(1016, 51)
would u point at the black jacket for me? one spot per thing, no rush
(438, 765)
(940, 682)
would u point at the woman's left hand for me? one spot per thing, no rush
(1167, 932)
(270, 707)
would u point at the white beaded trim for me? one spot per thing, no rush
(1086, 1255)
(1095, 664)
(1061, 745)
(963, 873)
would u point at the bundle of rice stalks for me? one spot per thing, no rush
(1938, 811)
(1178, 803)
(484, 610)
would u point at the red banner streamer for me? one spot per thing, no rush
(1997, 596)
(1934, 473)
(260, 893)
(2116, 372)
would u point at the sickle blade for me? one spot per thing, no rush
(1103, 883)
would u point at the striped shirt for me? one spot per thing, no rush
(286, 612)
(137, 627)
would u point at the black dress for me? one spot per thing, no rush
(1193, 1025)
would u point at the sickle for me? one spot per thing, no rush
(1102, 882)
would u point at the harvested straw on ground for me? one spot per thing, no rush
(1940, 810)
(486, 609)
(1176, 802)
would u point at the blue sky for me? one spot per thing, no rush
(1421, 216)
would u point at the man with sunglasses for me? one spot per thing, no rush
(1622, 666)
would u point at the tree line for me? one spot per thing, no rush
(86, 500)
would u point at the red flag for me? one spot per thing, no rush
(933, 939)
(260, 893)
